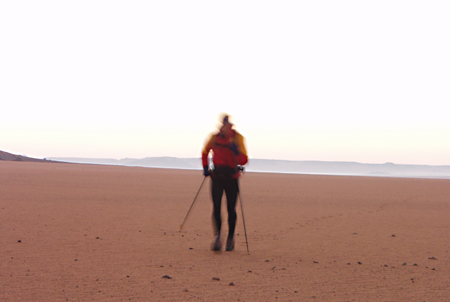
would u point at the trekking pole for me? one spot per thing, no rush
(242, 209)
(238, 169)
(243, 220)
(195, 198)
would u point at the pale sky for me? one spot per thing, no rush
(364, 81)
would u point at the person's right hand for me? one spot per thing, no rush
(206, 171)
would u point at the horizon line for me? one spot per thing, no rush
(250, 158)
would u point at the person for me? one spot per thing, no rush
(228, 156)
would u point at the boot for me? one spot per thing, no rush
(230, 244)
(217, 245)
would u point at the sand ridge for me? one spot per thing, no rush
(108, 233)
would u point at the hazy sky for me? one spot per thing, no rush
(365, 81)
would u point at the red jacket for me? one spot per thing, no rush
(222, 155)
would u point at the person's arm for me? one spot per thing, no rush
(241, 157)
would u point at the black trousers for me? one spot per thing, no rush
(230, 187)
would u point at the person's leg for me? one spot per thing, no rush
(217, 193)
(231, 191)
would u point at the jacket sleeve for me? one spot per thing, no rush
(206, 149)
(242, 157)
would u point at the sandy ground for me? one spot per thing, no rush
(73, 232)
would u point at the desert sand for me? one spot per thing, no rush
(72, 232)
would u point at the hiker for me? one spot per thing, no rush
(228, 155)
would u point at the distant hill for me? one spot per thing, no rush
(13, 157)
(283, 166)
(152, 162)
(348, 168)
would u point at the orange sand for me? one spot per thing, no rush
(105, 233)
